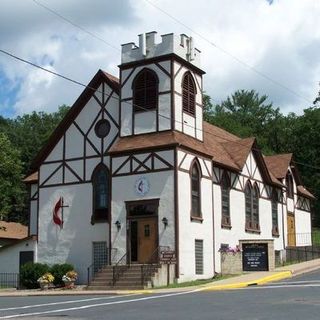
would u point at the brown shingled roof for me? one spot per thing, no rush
(32, 178)
(304, 192)
(239, 150)
(13, 230)
(278, 164)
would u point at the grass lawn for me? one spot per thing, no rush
(316, 237)
(197, 282)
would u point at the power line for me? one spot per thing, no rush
(74, 24)
(117, 98)
(243, 63)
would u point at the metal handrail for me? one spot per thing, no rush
(147, 268)
(119, 268)
(91, 272)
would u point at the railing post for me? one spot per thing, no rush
(142, 275)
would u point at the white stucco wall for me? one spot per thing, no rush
(191, 230)
(237, 213)
(123, 189)
(72, 243)
(184, 122)
(303, 228)
(146, 121)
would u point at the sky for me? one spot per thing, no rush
(271, 46)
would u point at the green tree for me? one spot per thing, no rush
(245, 113)
(12, 195)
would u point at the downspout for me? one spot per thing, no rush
(213, 230)
(283, 234)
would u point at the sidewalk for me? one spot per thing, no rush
(242, 281)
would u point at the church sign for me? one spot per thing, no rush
(168, 257)
(255, 257)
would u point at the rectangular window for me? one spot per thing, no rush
(199, 256)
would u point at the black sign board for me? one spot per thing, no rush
(255, 257)
(168, 257)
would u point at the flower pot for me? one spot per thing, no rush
(69, 284)
(44, 285)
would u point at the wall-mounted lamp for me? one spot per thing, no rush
(165, 222)
(118, 225)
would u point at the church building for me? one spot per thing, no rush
(133, 169)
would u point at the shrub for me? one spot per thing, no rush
(58, 271)
(30, 273)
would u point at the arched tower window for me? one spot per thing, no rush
(101, 193)
(225, 200)
(195, 173)
(289, 185)
(145, 91)
(274, 212)
(188, 94)
(252, 207)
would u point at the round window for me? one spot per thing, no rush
(102, 128)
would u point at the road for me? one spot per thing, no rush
(297, 298)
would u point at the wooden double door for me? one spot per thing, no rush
(142, 231)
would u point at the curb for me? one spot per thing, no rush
(275, 277)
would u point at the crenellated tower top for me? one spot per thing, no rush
(148, 48)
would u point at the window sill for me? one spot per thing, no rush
(144, 110)
(94, 221)
(256, 231)
(226, 226)
(189, 113)
(196, 219)
(275, 235)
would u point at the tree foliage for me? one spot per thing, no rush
(20, 140)
(246, 113)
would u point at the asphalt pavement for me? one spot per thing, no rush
(296, 298)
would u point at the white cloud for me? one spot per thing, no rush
(281, 40)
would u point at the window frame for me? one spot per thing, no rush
(145, 108)
(186, 105)
(195, 216)
(251, 204)
(100, 214)
(274, 213)
(225, 192)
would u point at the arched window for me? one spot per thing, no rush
(188, 94)
(289, 185)
(274, 209)
(225, 200)
(252, 207)
(145, 91)
(101, 191)
(195, 190)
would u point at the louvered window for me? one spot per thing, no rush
(188, 94)
(252, 207)
(198, 248)
(225, 200)
(145, 91)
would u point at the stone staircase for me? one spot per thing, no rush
(129, 277)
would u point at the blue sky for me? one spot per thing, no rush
(280, 39)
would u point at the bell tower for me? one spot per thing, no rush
(161, 86)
